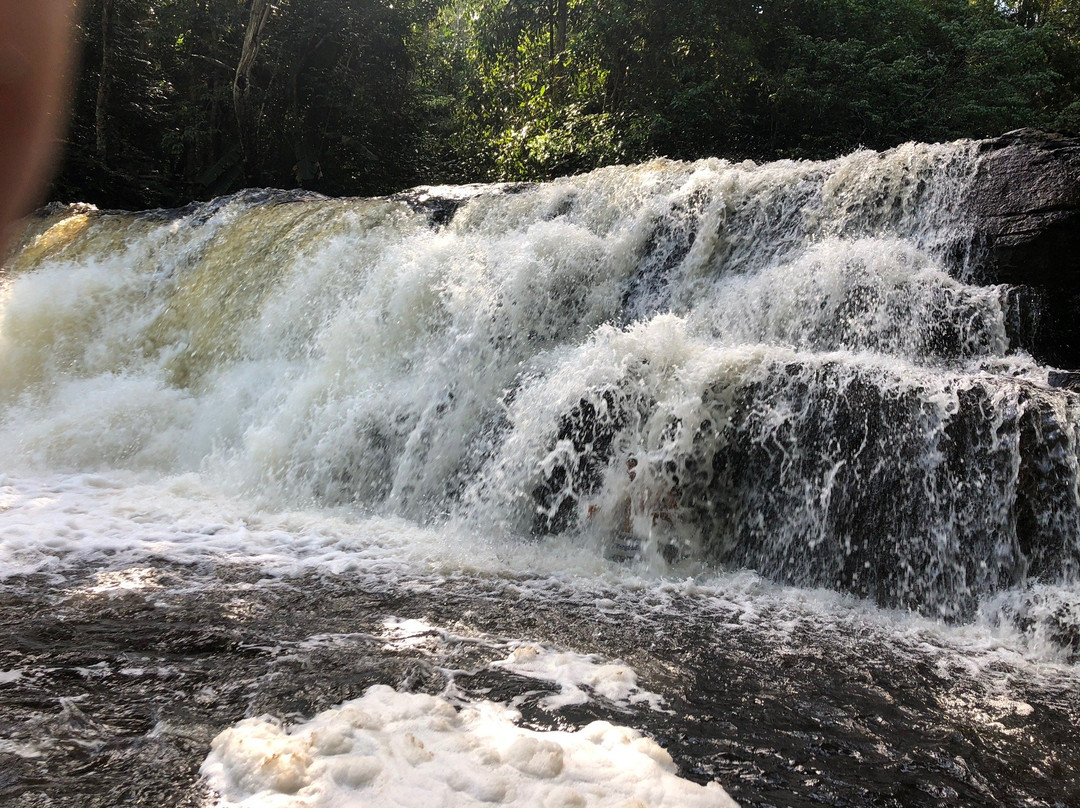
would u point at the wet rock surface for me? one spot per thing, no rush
(118, 693)
(440, 203)
(1024, 204)
(1025, 199)
(915, 494)
(880, 492)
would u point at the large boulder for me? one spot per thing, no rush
(1024, 202)
(923, 492)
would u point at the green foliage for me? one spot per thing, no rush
(368, 96)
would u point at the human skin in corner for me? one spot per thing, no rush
(36, 47)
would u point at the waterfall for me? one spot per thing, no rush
(787, 367)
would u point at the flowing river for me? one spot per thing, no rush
(679, 484)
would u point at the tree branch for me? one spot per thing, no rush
(213, 61)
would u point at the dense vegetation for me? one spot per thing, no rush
(188, 99)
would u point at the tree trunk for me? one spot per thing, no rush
(560, 27)
(101, 138)
(559, 51)
(260, 13)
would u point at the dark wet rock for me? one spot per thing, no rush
(441, 203)
(875, 489)
(923, 495)
(583, 446)
(672, 238)
(1024, 203)
(439, 209)
(1068, 380)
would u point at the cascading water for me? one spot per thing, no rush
(785, 368)
(780, 346)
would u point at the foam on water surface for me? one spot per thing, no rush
(123, 528)
(578, 676)
(61, 523)
(389, 749)
(613, 681)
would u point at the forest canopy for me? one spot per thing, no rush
(189, 99)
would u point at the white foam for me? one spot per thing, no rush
(23, 750)
(578, 676)
(398, 749)
(125, 526)
(574, 672)
(54, 524)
